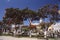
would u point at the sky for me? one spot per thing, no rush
(31, 4)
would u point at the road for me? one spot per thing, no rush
(14, 38)
(21, 38)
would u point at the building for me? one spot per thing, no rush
(55, 27)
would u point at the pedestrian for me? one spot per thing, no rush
(46, 35)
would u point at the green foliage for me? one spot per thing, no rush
(15, 15)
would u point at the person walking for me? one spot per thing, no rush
(46, 34)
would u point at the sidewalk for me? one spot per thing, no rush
(21, 38)
(14, 38)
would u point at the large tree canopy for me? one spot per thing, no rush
(15, 15)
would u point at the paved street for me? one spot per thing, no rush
(14, 38)
(22, 38)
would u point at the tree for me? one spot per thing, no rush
(13, 15)
(42, 12)
(27, 13)
(54, 12)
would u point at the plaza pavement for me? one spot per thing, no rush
(21, 38)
